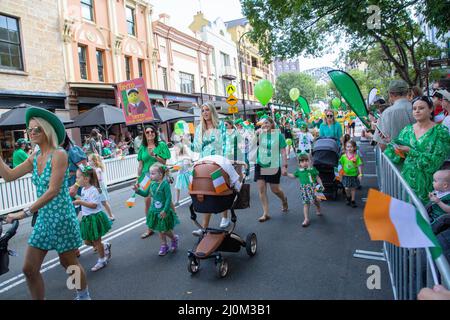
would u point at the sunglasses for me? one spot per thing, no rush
(34, 130)
(149, 131)
(330, 116)
(425, 99)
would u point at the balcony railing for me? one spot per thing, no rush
(256, 72)
(229, 72)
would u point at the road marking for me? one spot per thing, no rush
(112, 235)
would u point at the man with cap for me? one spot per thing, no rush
(396, 117)
(446, 106)
(19, 155)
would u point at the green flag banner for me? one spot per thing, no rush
(304, 105)
(348, 88)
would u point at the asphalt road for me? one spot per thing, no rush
(291, 262)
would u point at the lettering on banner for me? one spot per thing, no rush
(374, 280)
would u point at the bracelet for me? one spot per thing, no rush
(27, 212)
(76, 184)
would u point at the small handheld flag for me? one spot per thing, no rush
(145, 183)
(219, 181)
(130, 203)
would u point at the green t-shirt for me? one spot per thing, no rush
(161, 151)
(19, 156)
(265, 143)
(306, 176)
(350, 167)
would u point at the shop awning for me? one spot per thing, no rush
(15, 118)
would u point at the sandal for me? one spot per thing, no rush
(264, 218)
(305, 224)
(285, 205)
(147, 234)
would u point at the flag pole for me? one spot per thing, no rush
(432, 266)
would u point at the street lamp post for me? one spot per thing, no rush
(201, 94)
(240, 72)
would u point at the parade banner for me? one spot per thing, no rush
(349, 90)
(304, 105)
(132, 97)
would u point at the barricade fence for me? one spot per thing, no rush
(21, 193)
(410, 269)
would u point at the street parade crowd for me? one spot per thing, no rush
(73, 201)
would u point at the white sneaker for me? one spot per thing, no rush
(198, 232)
(99, 265)
(224, 223)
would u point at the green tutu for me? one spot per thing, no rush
(154, 222)
(94, 226)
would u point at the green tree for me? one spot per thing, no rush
(286, 81)
(287, 28)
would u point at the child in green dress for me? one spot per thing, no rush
(309, 179)
(161, 217)
(94, 223)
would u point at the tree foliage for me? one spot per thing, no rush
(305, 83)
(287, 28)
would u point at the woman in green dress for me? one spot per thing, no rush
(152, 150)
(56, 227)
(421, 147)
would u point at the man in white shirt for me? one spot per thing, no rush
(446, 106)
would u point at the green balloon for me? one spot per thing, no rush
(294, 94)
(289, 142)
(263, 91)
(336, 103)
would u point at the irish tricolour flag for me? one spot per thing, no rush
(398, 222)
(219, 181)
(145, 183)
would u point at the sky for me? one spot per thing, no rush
(181, 14)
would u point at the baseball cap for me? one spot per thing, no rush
(445, 94)
(398, 86)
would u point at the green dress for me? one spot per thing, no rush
(426, 156)
(211, 142)
(161, 201)
(161, 150)
(57, 226)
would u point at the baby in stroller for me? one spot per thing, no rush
(215, 186)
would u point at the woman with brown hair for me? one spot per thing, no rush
(151, 151)
(268, 167)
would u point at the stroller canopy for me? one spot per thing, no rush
(325, 152)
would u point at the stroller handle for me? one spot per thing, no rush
(11, 232)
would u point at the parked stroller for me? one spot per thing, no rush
(325, 159)
(206, 200)
(4, 238)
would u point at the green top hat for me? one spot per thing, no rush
(50, 117)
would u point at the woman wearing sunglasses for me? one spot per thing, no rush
(152, 150)
(57, 226)
(422, 147)
(331, 128)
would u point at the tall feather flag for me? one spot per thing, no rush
(348, 88)
(304, 105)
(399, 223)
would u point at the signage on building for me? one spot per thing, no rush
(132, 98)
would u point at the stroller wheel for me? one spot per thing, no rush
(222, 268)
(193, 266)
(251, 244)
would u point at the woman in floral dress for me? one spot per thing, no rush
(56, 227)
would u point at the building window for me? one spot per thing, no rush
(83, 62)
(186, 82)
(130, 21)
(244, 86)
(225, 59)
(164, 75)
(141, 67)
(100, 71)
(10, 47)
(128, 67)
(87, 9)
(254, 62)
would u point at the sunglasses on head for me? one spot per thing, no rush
(425, 99)
(34, 130)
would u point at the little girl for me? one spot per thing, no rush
(184, 161)
(352, 166)
(161, 217)
(309, 179)
(305, 140)
(97, 163)
(94, 222)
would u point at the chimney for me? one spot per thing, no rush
(164, 18)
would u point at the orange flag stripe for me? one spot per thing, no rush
(377, 218)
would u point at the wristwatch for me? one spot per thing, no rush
(27, 212)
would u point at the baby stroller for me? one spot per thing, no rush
(206, 200)
(325, 159)
(4, 252)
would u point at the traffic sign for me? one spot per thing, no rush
(230, 89)
(233, 110)
(232, 100)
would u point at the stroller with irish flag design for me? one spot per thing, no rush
(217, 185)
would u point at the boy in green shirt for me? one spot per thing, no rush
(309, 179)
(19, 155)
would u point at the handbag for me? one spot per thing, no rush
(243, 199)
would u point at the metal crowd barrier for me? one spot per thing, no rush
(409, 269)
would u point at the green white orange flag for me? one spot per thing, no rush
(145, 182)
(131, 201)
(219, 181)
(399, 223)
